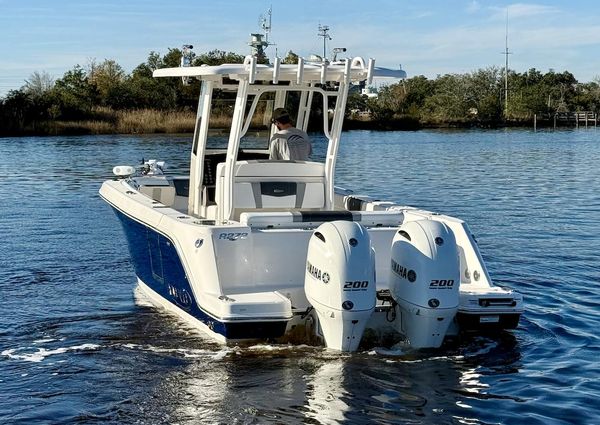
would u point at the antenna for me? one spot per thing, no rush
(265, 23)
(257, 42)
(323, 30)
(506, 53)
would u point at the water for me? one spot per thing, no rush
(77, 344)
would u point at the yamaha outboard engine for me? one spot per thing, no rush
(424, 281)
(340, 282)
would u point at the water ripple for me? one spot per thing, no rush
(76, 345)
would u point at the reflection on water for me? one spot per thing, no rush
(325, 393)
(76, 345)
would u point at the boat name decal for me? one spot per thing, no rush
(181, 297)
(233, 236)
(441, 283)
(403, 272)
(317, 273)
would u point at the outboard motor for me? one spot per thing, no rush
(424, 281)
(340, 281)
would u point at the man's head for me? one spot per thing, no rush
(281, 117)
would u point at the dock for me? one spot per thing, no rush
(564, 119)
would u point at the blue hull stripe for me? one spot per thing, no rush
(157, 264)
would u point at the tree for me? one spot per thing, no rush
(15, 111)
(217, 57)
(356, 102)
(418, 89)
(587, 97)
(527, 95)
(451, 100)
(107, 77)
(74, 95)
(484, 94)
(38, 84)
(172, 59)
(291, 58)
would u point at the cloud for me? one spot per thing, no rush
(523, 10)
(552, 37)
(473, 7)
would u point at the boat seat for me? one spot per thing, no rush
(311, 219)
(158, 189)
(264, 185)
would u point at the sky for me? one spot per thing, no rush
(426, 37)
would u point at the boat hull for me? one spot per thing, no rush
(244, 280)
(161, 275)
(470, 321)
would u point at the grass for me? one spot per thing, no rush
(139, 121)
(153, 121)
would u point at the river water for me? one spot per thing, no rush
(78, 344)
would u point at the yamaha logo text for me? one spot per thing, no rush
(317, 273)
(403, 272)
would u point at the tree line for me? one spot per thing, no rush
(479, 98)
(98, 90)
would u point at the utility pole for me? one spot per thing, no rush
(506, 53)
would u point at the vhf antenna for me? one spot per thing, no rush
(323, 30)
(265, 23)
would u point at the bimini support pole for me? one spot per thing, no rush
(276, 67)
(323, 72)
(226, 196)
(370, 71)
(300, 71)
(250, 63)
(198, 147)
(336, 130)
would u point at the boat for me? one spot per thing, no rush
(250, 249)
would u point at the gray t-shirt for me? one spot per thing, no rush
(291, 143)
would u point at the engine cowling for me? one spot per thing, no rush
(340, 282)
(424, 281)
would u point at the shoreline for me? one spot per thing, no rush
(186, 126)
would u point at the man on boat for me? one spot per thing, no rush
(289, 143)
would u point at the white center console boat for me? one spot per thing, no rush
(247, 248)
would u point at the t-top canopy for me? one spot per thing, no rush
(354, 70)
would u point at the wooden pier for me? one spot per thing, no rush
(564, 119)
